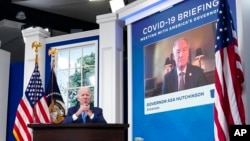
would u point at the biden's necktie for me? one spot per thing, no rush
(84, 117)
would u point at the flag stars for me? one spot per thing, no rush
(218, 37)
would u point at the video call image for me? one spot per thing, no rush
(180, 62)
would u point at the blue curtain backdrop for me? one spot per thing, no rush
(15, 94)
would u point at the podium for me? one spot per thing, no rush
(79, 132)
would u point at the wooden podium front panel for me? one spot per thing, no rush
(79, 132)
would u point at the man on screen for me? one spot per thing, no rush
(183, 75)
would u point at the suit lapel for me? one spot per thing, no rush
(188, 77)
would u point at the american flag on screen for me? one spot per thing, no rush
(32, 108)
(229, 78)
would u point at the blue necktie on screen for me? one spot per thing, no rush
(84, 117)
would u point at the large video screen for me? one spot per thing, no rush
(166, 105)
(162, 63)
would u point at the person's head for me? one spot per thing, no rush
(181, 52)
(84, 95)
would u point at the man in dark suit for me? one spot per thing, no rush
(84, 113)
(183, 75)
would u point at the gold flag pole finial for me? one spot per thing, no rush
(52, 52)
(36, 45)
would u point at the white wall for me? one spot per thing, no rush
(4, 87)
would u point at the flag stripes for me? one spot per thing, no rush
(229, 79)
(32, 108)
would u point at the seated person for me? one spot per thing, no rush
(84, 113)
(183, 75)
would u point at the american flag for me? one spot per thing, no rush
(32, 108)
(229, 79)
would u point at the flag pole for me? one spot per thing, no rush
(52, 52)
(35, 45)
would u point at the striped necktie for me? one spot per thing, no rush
(182, 83)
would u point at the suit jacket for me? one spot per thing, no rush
(98, 116)
(194, 77)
